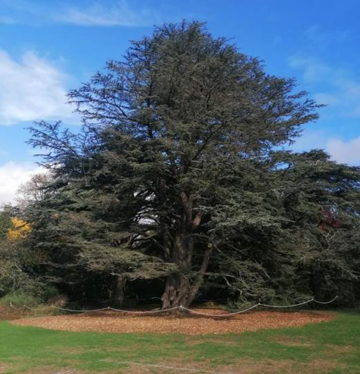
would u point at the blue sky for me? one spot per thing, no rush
(48, 47)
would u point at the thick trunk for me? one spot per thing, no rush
(119, 290)
(176, 291)
(177, 285)
(179, 290)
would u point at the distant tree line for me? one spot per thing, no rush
(180, 186)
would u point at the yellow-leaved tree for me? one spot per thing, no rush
(18, 230)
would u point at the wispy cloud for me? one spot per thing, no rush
(329, 82)
(331, 85)
(315, 36)
(313, 70)
(32, 89)
(7, 20)
(119, 14)
(97, 14)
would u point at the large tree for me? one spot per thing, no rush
(174, 163)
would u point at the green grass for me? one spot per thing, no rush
(331, 347)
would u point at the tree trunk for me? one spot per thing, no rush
(178, 289)
(200, 278)
(177, 285)
(119, 290)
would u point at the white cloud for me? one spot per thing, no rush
(12, 175)
(310, 140)
(32, 89)
(347, 152)
(344, 152)
(336, 87)
(117, 15)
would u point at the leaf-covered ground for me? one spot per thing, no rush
(164, 324)
(329, 347)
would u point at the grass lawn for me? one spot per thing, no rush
(331, 347)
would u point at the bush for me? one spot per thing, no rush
(18, 299)
(36, 293)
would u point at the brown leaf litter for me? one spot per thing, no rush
(112, 322)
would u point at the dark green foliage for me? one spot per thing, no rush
(322, 199)
(17, 271)
(5, 221)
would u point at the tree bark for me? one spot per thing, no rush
(179, 291)
(176, 291)
(200, 278)
(177, 285)
(119, 290)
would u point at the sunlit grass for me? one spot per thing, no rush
(331, 347)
